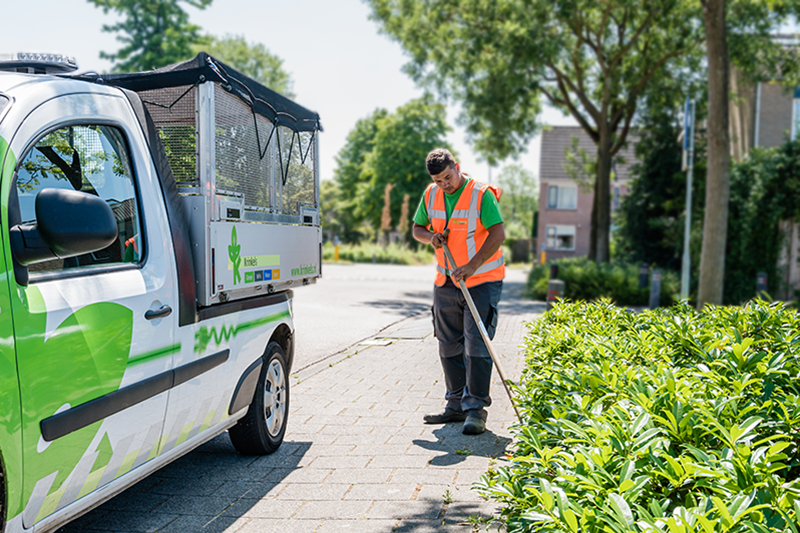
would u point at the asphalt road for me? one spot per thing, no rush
(354, 302)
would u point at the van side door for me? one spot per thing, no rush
(94, 333)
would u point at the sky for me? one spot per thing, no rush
(342, 67)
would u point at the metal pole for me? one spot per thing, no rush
(688, 143)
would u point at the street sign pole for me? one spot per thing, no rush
(688, 165)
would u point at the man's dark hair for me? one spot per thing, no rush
(439, 160)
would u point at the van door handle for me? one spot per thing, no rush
(161, 312)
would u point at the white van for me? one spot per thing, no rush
(153, 226)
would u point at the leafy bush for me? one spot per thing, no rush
(396, 254)
(588, 280)
(665, 421)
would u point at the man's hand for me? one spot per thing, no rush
(438, 240)
(463, 272)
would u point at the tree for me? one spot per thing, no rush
(347, 174)
(401, 143)
(718, 185)
(154, 33)
(519, 201)
(253, 60)
(503, 58)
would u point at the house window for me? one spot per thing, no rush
(795, 117)
(560, 197)
(615, 199)
(560, 237)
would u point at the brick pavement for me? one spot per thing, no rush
(356, 456)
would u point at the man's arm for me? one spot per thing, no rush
(497, 234)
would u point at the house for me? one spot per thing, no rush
(565, 207)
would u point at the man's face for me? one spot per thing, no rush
(449, 180)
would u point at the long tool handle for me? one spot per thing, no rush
(482, 328)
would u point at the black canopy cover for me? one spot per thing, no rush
(266, 102)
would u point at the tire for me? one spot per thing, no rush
(261, 430)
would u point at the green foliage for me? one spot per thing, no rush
(588, 280)
(651, 217)
(154, 33)
(520, 200)
(395, 254)
(765, 189)
(253, 60)
(386, 148)
(663, 421)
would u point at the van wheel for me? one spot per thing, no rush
(261, 430)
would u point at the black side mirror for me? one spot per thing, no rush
(68, 224)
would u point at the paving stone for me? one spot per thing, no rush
(357, 526)
(359, 475)
(195, 505)
(350, 461)
(338, 510)
(183, 487)
(304, 492)
(438, 476)
(381, 491)
(211, 524)
(405, 510)
(119, 521)
(268, 508)
(379, 449)
(298, 475)
(268, 525)
(399, 461)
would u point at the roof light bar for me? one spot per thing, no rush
(37, 63)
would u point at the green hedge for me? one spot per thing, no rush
(396, 254)
(664, 421)
(589, 280)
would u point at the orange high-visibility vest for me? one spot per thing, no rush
(467, 234)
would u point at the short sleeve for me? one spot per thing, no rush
(490, 210)
(421, 216)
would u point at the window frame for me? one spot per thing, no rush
(555, 227)
(87, 270)
(559, 196)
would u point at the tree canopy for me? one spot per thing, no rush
(519, 200)
(381, 149)
(154, 33)
(503, 59)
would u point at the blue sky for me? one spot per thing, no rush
(341, 66)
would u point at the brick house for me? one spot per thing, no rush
(565, 207)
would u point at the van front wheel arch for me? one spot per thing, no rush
(261, 430)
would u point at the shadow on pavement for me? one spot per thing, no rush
(410, 302)
(458, 447)
(206, 490)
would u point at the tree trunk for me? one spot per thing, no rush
(715, 223)
(601, 210)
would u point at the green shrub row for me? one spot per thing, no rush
(588, 280)
(664, 421)
(397, 254)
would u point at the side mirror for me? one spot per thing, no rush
(68, 224)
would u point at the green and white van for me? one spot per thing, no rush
(152, 227)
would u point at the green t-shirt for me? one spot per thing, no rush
(490, 211)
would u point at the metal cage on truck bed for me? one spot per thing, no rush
(246, 163)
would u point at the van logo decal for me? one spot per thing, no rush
(204, 335)
(233, 255)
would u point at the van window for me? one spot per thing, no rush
(92, 159)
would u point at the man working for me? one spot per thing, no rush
(470, 211)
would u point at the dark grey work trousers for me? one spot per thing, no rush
(465, 358)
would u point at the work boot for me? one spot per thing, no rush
(474, 424)
(448, 415)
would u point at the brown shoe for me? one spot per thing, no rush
(448, 415)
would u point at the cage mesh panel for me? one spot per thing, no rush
(240, 167)
(177, 129)
(299, 185)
